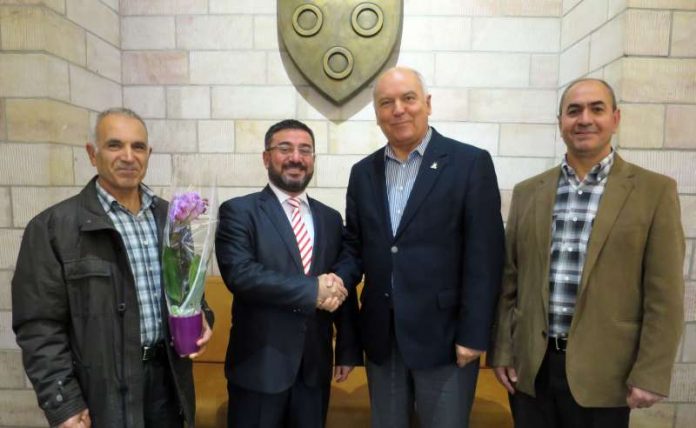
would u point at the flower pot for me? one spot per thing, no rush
(185, 331)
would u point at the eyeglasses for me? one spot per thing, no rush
(287, 149)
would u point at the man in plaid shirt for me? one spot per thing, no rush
(591, 309)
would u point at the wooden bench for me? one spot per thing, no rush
(349, 405)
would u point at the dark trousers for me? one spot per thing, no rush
(555, 407)
(161, 405)
(301, 406)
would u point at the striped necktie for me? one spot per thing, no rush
(304, 242)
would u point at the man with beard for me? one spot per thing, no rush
(274, 249)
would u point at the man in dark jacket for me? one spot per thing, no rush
(88, 307)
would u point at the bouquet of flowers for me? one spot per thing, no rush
(187, 246)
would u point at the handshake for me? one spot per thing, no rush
(331, 293)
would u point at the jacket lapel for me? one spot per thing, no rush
(379, 187)
(433, 162)
(618, 187)
(270, 205)
(544, 199)
(317, 248)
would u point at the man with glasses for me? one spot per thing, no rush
(275, 249)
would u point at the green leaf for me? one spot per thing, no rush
(172, 280)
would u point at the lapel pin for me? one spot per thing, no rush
(434, 165)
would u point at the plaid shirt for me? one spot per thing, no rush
(400, 177)
(573, 215)
(139, 234)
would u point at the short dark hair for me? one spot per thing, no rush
(286, 124)
(587, 79)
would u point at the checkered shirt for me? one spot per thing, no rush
(139, 234)
(573, 215)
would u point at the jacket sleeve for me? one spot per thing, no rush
(482, 256)
(40, 320)
(349, 266)
(663, 294)
(247, 277)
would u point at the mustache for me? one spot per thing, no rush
(291, 164)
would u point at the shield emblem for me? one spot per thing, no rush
(339, 45)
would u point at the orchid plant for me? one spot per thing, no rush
(187, 246)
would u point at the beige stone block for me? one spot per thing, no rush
(96, 17)
(214, 32)
(243, 6)
(512, 170)
(683, 385)
(5, 209)
(148, 32)
(33, 75)
(689, 343)
(527, 140)
(512, 105)
(32, 28)
(641, 125)
(312, 105)
(541, 35)
(505, 201)
(616, 7)
(3, 129)
(45, 120)
(103, 58)
(452, 7)
(113, 4)
(544, 71)
(688, 257)
(249, 135)
(57, 5)
(188, 102)
(172, 136)
(11, 239)
(355, 137)
(684, 34)
(164, 67)
(18, 407)
(228, 67)
(35, 165)
(688, 210)
(335, 198)
(607, 43)
(334, 170)
(568, 5)
(216, 136)
(574, 62)
(676, 164)
(147, 101)
(448, 104)
(248, 102)
(482, 70)
(27, 202)
(680, 127)
(647, 32)
(281, 71)
(481, 135)
(582, 20)
(686, 415)
(6, 290)
(228, 169)
(92, 91)
(690, 301)
(663, 4)
(163, 7)
(266, 33)
(424, 62)
(429, 33)
(550, 8)
(661, 415)
(658, 80)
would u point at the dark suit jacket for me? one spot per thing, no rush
(275, 326)
(445, 261)
(629, 310)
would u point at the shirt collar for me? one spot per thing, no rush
(108, 202)
(420, 149)
(282, 196)
(599, 171)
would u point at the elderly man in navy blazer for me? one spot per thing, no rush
(424, 226)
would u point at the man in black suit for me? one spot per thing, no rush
(424, 226)
(275, 249)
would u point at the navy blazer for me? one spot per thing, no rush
(275, 323)
(440, 273)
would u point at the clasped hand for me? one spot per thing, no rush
(331, 292)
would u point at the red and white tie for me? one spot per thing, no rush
(304, 241)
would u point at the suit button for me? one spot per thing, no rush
(394, 249)
(386, 295)
(543, 334)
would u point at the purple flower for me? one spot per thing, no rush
(186, 207)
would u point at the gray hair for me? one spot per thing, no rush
(612, 95)
(121, 111)
(419, 77)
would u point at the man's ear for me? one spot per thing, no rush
(92, 153)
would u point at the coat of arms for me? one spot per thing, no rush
(339, 45)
